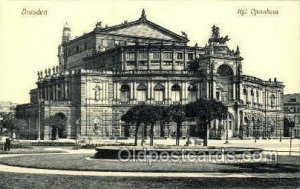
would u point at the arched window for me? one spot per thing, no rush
(176, 93)
(225, 70)
(192, 93)
(272, 100)
(225, 76)
(159, 91)
(142, 92)
(97, 93)
(125, 93)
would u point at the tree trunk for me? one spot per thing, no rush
(205, 133)
(162, 129)
(177, 134)
(56, 133)
(136, 135)
(11, 132)
(151, 134)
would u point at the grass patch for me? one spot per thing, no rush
(32, 181)
(80, 162)
(29, 151)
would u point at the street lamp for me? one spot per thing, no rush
(1, 119)
(77, 128)
(291, 126)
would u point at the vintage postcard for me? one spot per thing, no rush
(149, 94)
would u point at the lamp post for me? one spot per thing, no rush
(77, 128)
(226, 132)
(291, 127)
(1, 119)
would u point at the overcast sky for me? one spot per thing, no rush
(270, 44)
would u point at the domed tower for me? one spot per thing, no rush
(66, 33)
(66, 36)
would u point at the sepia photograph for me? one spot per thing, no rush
(149, 94)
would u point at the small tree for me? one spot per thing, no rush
(153, 116)
(178, 115)
(164, 119)
(135, 115)
(206, 111)
(14, 125)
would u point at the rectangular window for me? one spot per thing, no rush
(130, 56)
(167, 55)
(176, 96)
(156, 55)
(141, 95)
(125, 96)
(142, 55)
(179, 56)
(190, 56)
(192, 96)
(159, 95)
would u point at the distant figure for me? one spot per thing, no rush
(7, 144)
(188, 142)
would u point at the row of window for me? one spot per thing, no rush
(76, 49)
(159, 93)
(159, 96)
(130, 56)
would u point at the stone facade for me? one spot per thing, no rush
(291, 107)
(103, 73)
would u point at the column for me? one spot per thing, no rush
(49, 93)
(117, 91)
(134, 90)
(198, 90)
(53, 91)
(57, 90)
(131, 90)
(148, 59)
(169, 93)
(45, 92)
(173, 59)
(234, 91)
(185, 92)
(151, 91)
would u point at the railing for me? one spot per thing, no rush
(153, 72)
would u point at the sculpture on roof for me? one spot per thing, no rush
(215, 36)
(184, 34)
(99, 24)
(143, 16)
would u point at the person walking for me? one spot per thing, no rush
(7, 144)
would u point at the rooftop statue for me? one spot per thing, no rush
(215, 36)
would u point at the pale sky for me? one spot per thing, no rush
(270, 44)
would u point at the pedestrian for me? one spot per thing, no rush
(7, 144)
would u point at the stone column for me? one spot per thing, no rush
(117, 91)
(198, 90)
(173, 59)
(131, 91)
(184, 92)
(233, 91)
(151, 91)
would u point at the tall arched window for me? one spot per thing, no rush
(192, 93)
(176, 93)
(142, 92)
(125, 93)
(159, 93)
(97, 93)
(272, 100)
(225, 75)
